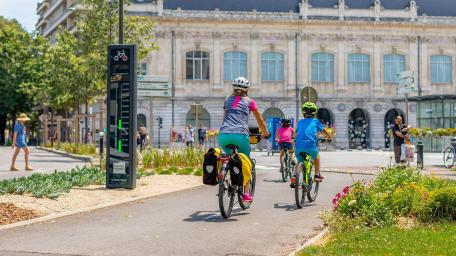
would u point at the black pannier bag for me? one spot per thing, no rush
(211, 166)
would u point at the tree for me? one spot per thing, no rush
(15, 54)
(95, 30)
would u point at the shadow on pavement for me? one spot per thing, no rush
(290, 207)
(214, 216)
(274, 180)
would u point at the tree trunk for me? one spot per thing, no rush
(2, 129)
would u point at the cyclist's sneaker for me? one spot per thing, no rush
(293, 161)
(247, 197)
(293, 181)
(318, 177)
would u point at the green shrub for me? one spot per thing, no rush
(52, 185)
(198, 172)
(166, 158)
(185, 171)
(173, 169)
(78, 148)
(165, 172)
(441, 205)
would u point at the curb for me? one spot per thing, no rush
(86, 159)
(89, 209)
(310, 242)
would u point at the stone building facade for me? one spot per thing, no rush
(327, 49)
(346, 52)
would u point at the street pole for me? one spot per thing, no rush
(406, 109)
(121, 39)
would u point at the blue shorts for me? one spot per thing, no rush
(285, 145)
(313, 152)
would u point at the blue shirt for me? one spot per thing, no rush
(308, 129)
(20, 138)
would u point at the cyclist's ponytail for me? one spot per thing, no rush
(240, 93)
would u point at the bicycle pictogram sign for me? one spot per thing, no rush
(121, 55)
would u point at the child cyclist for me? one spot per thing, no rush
(235, 128)
(284, 137)
(306, 141)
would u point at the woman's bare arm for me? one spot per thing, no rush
(261, 123)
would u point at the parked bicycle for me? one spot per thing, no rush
(228, 191)
(449, 154)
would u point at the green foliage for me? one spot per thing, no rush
(75, 148)
(440, 205)
(185, 171)
(173, 169)
(155, 158)
(422, 240)
(198, 172)
(52, 185)
(396, 192)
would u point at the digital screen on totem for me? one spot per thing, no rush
(121, 123)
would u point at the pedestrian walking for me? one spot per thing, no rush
(19, 142)
(400, 134)
(189, 138)
(202, 137)
(142, 138)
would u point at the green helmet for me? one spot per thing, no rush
(309, 108)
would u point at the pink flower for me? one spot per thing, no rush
(346, 189)
(338, 195)
(334, 201)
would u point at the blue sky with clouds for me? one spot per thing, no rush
(22, 10)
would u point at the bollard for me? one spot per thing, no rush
(420, 157)
(101, 144)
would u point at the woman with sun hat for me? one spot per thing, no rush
(19, 142)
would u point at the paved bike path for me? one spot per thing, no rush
(184, 223)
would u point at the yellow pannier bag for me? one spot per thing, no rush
(241, 172)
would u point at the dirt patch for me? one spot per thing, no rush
(9, 213)
(89, 196)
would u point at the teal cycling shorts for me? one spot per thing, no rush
(242, 141)
(313, 152)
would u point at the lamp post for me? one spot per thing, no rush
(121, 39)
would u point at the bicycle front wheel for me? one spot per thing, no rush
(226, 196)
(448, 157)
(300, 193)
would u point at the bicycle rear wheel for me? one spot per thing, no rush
(300, 193)
(448, 157)
(312, 187)
(226, 196)
(246, 205)
(284, 168)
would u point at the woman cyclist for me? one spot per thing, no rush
(284, 137)
(235, 128)
(306, 141)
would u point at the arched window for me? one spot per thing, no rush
(272, 66)
(393, 64)
(197, 65)
(358, 68)
(234, 65)
(441, 69)
(322, 67)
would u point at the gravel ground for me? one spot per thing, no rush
(79, 198)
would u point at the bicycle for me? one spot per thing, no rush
(449, 154)
(228, 191)
(285, 165)
(305, 185)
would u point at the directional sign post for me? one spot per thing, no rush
(406, 85)
(121, 118)
(153, 86)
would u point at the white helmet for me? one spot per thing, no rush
(241, 83)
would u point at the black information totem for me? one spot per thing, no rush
(121, 117)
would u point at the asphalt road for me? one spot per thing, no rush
(42, 161)
(184, 223)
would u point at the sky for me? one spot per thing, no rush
(22, 10)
